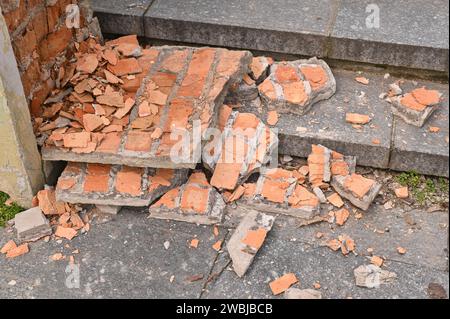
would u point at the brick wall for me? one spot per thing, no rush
(42, 41)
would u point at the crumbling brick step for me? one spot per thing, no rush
(116, 185)
(183, 85)
(194, 202)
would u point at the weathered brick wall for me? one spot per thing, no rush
(42, 41)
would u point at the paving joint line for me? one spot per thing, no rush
(225, 238)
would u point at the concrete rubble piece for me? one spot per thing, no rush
(32, 225)
(372, 276)
(194, 202)
(116, 185)
(416, 106)
(247, 239)
(124, 103)
(245, 145)
(293, 87)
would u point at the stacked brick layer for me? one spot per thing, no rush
(115, 185)
(186, 84)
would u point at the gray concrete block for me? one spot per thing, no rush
(194, 202)
(289, 26)
(241, 253)
(121, 16)
(403, 37)
(31, 225)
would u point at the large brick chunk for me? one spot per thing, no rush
(194, 202)
(115, 185)
(177, 100)
(293, 87)
(245, 145)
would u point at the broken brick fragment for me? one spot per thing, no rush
(283, 283)
(18, 251)
(360, 191)
(247, 239)
(245, 145)
(8, 246)
(259, 68)
(402, 192)
(116, 185)
(63, 232)
(356, 118)
(415, 107)
(293, 87)
(335, 200)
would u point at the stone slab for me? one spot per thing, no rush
(416, 148)
(31, 225)
(115, 185)
(325, 123)
(404, 37)
(326, 28)
(121, 16)
(288, 26)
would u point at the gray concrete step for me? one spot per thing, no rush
(386, 142)
(369, 31)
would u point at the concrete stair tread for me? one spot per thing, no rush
(327, 28)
